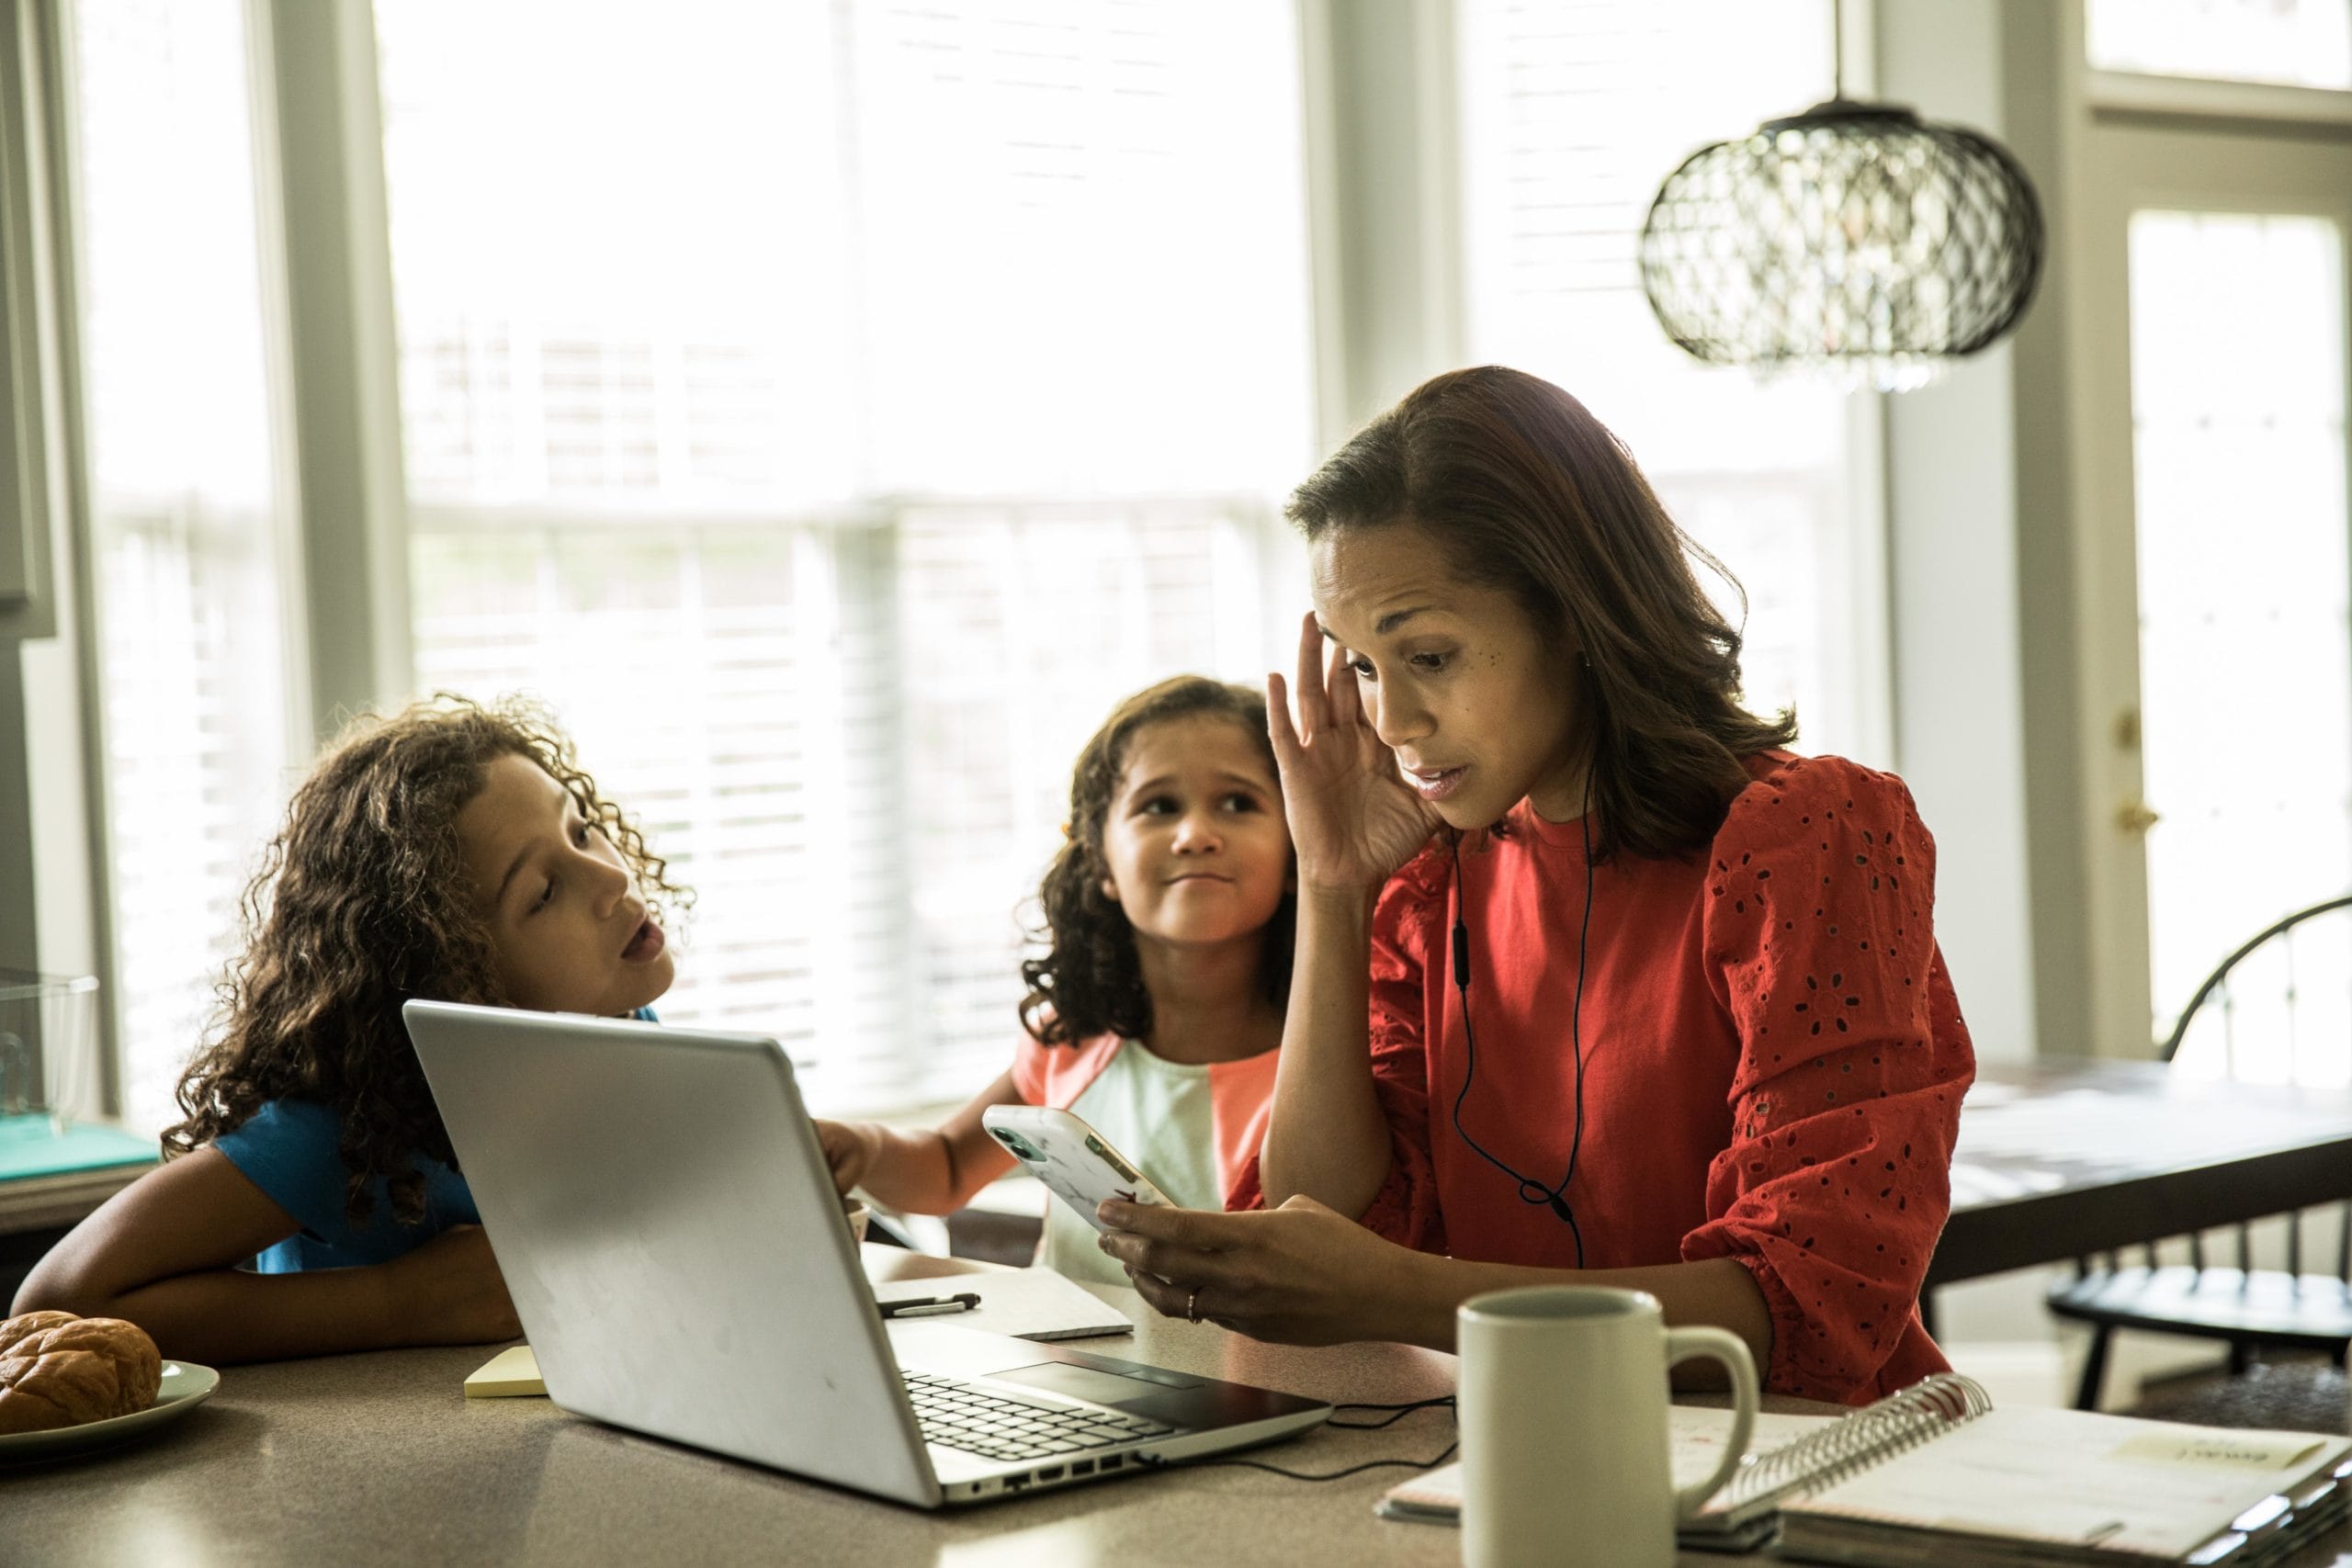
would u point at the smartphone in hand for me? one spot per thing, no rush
(1075, 1162)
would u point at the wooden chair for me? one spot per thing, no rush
(2250, 1308)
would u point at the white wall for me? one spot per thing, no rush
(1953, 612)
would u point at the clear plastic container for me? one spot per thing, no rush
(49, 1045)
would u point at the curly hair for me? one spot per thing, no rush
(1527, 492)
(1089, 978)
(361, 903)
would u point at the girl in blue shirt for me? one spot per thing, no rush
(453, 851)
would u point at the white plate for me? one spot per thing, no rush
(185, 1385)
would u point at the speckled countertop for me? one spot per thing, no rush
(381, 1459)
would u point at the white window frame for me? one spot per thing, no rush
(55, 909)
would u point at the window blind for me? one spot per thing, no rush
(679, 678)
(1019, 629)
(835, 507)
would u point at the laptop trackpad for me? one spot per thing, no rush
(1079, 1383)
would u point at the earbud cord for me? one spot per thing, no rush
(1531, 1191)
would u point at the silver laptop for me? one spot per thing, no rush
(674, 1245)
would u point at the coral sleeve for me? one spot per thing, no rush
(1031, 1067)
(1406, 927)
(1055, 1075)
(1819, 944)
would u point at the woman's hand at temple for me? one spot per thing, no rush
(1352, 817)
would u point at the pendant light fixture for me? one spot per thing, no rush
(1853, 239)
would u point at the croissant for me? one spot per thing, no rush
(57, 1370)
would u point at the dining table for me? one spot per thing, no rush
(2059, 1159)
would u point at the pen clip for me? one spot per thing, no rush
(926, 1306)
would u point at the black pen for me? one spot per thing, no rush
(922, 1307)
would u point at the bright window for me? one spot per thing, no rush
(853, 403)
(1572, 116)
(2304, 44)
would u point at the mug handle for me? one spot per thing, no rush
(1721, 1345)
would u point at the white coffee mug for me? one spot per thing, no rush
(1566, 1456)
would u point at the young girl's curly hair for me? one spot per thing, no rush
(362, 902)
(1089, 979)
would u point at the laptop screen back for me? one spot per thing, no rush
(672, 1238)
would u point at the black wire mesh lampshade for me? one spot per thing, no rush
(1853, 238)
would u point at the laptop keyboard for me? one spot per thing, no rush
(983, 1422)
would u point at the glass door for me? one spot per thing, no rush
(2221, 577)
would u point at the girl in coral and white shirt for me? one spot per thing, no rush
(1156, 1012)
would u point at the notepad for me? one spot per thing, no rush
(511, 1372)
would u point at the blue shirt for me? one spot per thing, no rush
(289, 1149)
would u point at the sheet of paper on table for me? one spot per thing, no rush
(1028, 1304)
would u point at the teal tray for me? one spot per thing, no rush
(30, 1147)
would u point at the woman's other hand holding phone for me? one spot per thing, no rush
(1290, 1275)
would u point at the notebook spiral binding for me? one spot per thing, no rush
(1900, 1421)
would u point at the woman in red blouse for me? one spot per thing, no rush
(1652, 1002)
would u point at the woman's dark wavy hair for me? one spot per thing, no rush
(1527, 492)
(362, 902)
(1089, 979)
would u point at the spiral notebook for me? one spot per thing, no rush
(1935, 1474)
(2056, 1486)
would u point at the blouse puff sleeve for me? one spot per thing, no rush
(1845, 1102)
(1407, 934)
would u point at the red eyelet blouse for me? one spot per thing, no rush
(1773, 1061)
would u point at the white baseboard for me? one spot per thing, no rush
(2134, 1360)
(2015, 1371)
(2003, 1324)
(2045, 1372)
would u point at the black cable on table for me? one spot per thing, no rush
(1300, 1474)
(1399, 1413)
